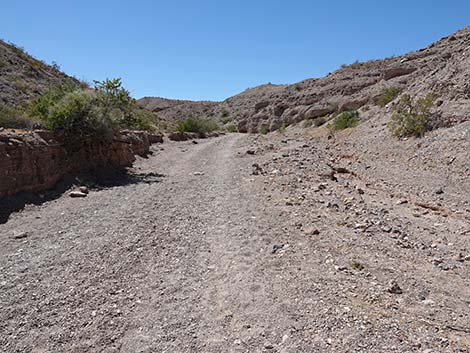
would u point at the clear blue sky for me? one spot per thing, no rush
(212, 49)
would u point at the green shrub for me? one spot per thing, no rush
(226, 120)
(108, 107)
(225, 113)
(282, 128)
(345, 120)
(14, 119)
(264, 130)
(3, 63)
(356, 265)
(298, 87)
(388, 95)
(197, 125)
(72, 112)
(40, 106)
(411, 117)
(231, 128)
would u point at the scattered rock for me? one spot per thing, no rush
(84, 189)
(256, 169)
(311, 231)
(198, 173)
(20, 235)
(75, 194)
(276, 247)
(462, 258)
(439, 191)
(251, 152)
(394, 288)
(194, 142)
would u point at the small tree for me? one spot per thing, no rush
(411, 117)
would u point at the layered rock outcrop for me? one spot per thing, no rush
(36, 161)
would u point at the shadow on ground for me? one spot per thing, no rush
(95, 180)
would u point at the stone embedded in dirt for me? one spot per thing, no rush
(276, 247)
(198, 173)
(439, 191)
(311, 231)
(194, 142)
(84, 189)
(251, 152)
(402, 202)
(462, 258)
(20, 235)
(394, 288)
(256, 169)
(76, 194)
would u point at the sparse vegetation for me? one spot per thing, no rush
(14, 118)
(226, 120)
(411, 116)
(225, 113)
(345, 120)
(308, 123)
(356, 265)
(197, 125)
(298, 87)
(231, 128)
(388, 95)
(107, 108)
(320, 121)
(3, 63)
(282, 128)
(264, 130)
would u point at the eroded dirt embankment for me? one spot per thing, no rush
(36, 161)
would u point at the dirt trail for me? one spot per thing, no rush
(199, 255)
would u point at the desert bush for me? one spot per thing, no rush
(3, 63)
(15, 119)
(40, 106)
(226, 120)
(298, 87)
(72, 112)
(388, 95)
(345, 120)
(108, 107)
(411, 116)
(225, 113)
(231, 128)
(264, 130)
(282, 128)
(197, 125)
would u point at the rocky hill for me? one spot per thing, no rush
(441, 68)
(23, 77)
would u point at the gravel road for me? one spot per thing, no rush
(199, 254)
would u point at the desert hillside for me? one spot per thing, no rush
(23, 77)
(441, 68)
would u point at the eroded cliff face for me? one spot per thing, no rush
(36, 161)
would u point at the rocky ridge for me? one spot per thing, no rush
(440, 68)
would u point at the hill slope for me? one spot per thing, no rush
(441, 68)
(23, 77)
